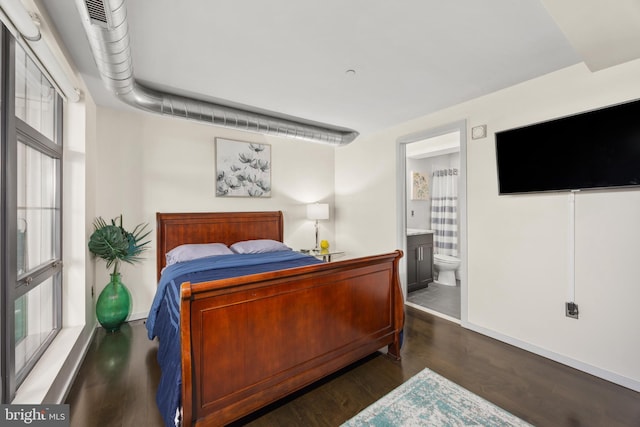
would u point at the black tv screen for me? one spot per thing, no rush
(593, 150)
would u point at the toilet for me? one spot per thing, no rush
(446, 266)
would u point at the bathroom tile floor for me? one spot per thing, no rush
(441, 298)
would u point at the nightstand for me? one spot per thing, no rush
(325, 254)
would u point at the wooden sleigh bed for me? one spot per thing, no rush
(248, 341)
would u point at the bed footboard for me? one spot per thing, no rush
(251, 340)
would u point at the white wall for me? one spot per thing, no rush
(517, 245)
(148, 164)
(78, 204)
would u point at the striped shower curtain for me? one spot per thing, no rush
(444, 211)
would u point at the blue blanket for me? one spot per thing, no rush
(164, 317)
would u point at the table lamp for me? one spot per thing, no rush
(317, 211)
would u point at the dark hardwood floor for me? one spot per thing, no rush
(117, 382)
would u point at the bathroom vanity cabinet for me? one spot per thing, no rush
(419, 261)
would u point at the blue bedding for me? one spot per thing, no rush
(164, 317)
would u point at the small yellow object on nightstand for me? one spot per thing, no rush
(324, 244)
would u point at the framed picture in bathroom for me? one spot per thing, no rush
(419, 186)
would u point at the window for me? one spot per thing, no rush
(31, 208)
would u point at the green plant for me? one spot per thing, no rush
(112, 243)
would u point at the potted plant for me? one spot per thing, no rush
(114, 244)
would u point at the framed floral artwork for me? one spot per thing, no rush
(419, 186)
(243, 169)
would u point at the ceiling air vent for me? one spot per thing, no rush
(97, 13)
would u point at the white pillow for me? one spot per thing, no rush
(192, 251)
(259, 246)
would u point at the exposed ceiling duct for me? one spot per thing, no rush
(105, 22)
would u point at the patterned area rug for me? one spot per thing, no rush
(428, 399)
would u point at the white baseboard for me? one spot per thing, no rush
(138, 316)
(581, 366)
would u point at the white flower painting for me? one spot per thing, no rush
(243, 169)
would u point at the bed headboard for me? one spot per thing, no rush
(175, 229)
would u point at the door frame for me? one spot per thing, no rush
(401, 167)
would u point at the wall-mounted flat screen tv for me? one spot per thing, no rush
(593, 150)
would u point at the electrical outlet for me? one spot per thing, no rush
(572, 310)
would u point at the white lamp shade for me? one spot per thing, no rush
(318, 211)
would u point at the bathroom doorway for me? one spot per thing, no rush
(434, 217)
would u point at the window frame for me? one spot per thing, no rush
(14, 131)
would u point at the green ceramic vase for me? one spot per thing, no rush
(114, 304)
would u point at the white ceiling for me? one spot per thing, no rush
(410, 57)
